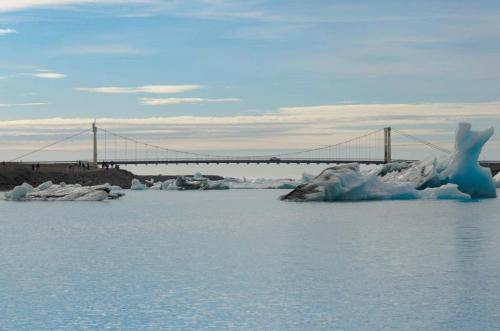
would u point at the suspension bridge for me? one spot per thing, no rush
(112, 148)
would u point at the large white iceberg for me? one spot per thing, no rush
(62, 192)
(347, 183)
(457, 177)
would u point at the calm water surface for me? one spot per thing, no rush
(243, 260)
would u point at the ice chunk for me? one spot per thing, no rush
(182, 183)
(198, 176)
(464, 168)
(264, 183)
(447, 192)
(346, 183)
(156, 186)
(458, 177)
(169, 185)
(113, 187)
(215, 185)
(136, 185)
(19, 192)
(422, 174)
(67, 192)
(44, 186)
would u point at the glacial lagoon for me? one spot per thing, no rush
(243, 260)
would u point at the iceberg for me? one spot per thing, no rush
(457, 177)
(113, 187)
(264, 183)
(347, 183)
(444, 192)
(19, 192)
(464, 168)
(181, 183)
(198, 182)
(215, 185)
(62, 192)
(169, 185)
(44, 185)
(156, 186)
(136, 185)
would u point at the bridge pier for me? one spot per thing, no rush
(94, 130)
(387, 145)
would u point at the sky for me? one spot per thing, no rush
(253, 75)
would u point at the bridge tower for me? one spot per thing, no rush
(387, 145)
(94, 130)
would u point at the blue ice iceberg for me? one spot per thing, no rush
(457, 177)
(136, 185)
(464, 168)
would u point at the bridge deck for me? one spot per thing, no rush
(244, 161)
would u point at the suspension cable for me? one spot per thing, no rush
(254, 156)
(427, 143)
(50, 145)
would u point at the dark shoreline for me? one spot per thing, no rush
(14, 174)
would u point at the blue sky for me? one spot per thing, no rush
(222, 75)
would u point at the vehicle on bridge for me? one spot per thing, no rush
(275, 159)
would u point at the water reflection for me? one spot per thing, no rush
(472, 306)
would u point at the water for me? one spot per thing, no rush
(243, 260)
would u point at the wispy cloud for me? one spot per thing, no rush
(338, 116)
(178, 101)
(152, 89)
(299, 127)
(14, 5)
(30, 104)
(48, 75)
(4, 32)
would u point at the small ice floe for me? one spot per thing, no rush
(136, 185)
(265, 183)
(63, 192)
(156, 186)
(113, 187)
(457, 177)
(197, 182)
(444, 192)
